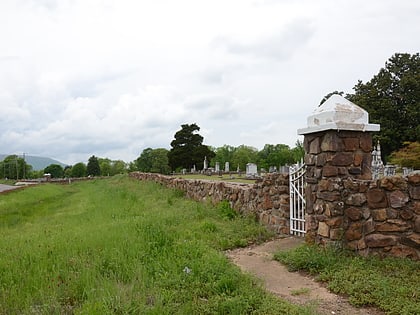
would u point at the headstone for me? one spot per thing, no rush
(227, 167)
(251, 170)
(205, 163)
(377, 164)
(184, 171)
(217, 167)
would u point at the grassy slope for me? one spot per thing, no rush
(124, 246)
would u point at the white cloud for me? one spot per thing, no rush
(111, 78)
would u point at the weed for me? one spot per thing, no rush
(120, 246)
(391, 283)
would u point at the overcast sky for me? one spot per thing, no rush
(113, 77)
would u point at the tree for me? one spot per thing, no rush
(105, 166)
(276, 155)
(244, 155)
(118, 167)
(144, 161)
(78, 170)
(55, 170)
(392, 99)
(93, 168)
(188, 149)
(223, 154)
(14, 167)
(408, 156)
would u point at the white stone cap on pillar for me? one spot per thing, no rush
(338, 113)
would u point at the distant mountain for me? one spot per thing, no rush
(37, 162)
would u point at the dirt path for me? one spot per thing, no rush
(258, 260)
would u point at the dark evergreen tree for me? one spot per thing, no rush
(188, 149)
(93, 168)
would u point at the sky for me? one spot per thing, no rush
(111, 78)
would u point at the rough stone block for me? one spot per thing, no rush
(392, 183)
(329, 171)
(336, 234)
(334, 222)
(368, 226)
(323, 229)
(355, 170)
(342, 159)
(354, 231)
(314, 147)
(414, 178)
(415, 207)
(358, 158)
(331, 142)
(353, 213)
(412, 240)
(417, 224)
(393, 225)
(402, 251)
(357, 199)
(398, 199)
(376, 198)
(414, 192)
(351, 144)
(379, 214)
(329, 195)
(380, 240)
(366, 142)
(357, 244)
(406, 214)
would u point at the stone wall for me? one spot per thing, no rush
(267, 199)
(346, 206)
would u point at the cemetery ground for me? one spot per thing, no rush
(123, 246)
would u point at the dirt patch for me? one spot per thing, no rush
(292, 286)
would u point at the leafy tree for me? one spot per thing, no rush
(118, 167)
(243, 155)
(105, 166)
(408, 156)
(392, 99)
(144, 161)
(55, 170)
(14, 167)
(276, 155)
(93, 168)
(188, 149)
(223, 154)
(78, 170)
(160, 161)
(298, 151)
(67, 171)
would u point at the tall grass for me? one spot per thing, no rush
(392, 284)
(120, 246)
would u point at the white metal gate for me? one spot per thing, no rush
(297, 199)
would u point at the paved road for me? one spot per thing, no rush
(7, 187)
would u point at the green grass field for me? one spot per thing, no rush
(121, 246)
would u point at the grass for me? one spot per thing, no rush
(391, 284)
(121, 246)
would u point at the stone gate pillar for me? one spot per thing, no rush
(338, 145)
